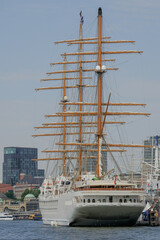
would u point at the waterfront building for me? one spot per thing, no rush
(151, 162)
(19, 160)
(149, 153)
(5, 188)
(26, 182)
(31, 202)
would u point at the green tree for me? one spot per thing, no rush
(35, 192)
(10, 194)
(26, 191)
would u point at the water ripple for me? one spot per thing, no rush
(32, 230)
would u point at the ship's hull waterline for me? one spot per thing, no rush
(61, 210)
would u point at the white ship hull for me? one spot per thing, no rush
(69, 208)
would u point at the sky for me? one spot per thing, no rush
(28, 30)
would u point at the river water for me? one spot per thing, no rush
(35, 230)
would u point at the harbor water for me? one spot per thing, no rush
(35, 230)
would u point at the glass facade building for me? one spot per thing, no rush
(19, 160)
(149, 153)
(148, 166)
(89, 164)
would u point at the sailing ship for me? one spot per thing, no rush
(85, 192)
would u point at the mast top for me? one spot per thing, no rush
(100, 11)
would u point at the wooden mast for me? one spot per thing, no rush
(80, 98)
(64, 119)
(99, 91)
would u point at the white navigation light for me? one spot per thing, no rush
(104, 68)
(97, 69)
(65, 99)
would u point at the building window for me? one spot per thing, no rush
(21, 151)
(93, 200)
(110, 199)
(9, 150)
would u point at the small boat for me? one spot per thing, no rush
(6, 216)
(31, 216)
(37, 217)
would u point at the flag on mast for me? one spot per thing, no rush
(115, 178)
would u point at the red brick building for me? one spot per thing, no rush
(26, 182)
(5, 187)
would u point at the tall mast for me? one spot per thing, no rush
(80, 97)
(99, 90)
(80, 115)
(64, 118)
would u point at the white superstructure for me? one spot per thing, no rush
(90, 202)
